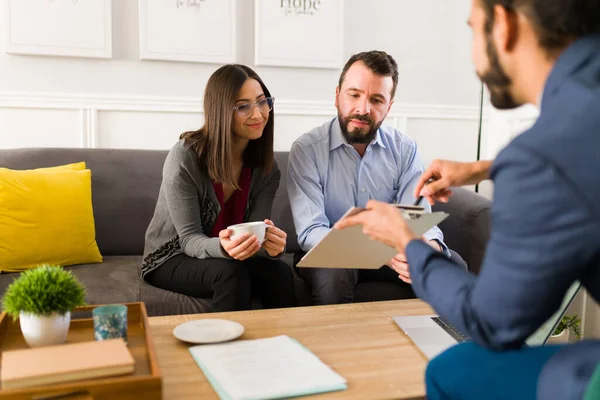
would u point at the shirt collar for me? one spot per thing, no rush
(336, 138)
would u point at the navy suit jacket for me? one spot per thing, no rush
(545, 226)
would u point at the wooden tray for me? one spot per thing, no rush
(145, 382)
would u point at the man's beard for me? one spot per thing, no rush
(497, 81)
(357, 136)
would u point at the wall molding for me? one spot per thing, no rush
(28, 100)
(504, 125)
(90, 107)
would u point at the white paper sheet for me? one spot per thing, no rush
(270, 368)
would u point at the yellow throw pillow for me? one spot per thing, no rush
(46, 217)
(80, 166)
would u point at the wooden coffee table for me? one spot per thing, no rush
(359, 341)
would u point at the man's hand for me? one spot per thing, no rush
(400, 266)
(274, 242)
(382, 222)
(444, 174)
(242, 247)
(434, 244)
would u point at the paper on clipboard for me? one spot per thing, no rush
(351, 248)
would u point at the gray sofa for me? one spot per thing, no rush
(125, 186)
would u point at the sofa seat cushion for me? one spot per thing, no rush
(113, 281)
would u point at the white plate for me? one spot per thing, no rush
(208, 331)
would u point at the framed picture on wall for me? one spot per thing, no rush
(299, 33)
(188, 30)
(75, 28)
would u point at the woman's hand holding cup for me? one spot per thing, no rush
(241, 247)
(274, 242)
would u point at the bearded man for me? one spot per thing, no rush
(348, 161)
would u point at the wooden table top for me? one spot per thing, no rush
(359, 341)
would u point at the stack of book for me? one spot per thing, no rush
(65, 363)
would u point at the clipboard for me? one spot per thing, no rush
(350, 248)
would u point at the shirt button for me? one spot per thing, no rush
(363, 190)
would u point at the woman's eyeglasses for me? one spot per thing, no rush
(245, 110)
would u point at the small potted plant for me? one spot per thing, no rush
(568, 324)
(42, 299)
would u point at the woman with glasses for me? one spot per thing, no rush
(221, 175)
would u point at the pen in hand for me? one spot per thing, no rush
(420, 198)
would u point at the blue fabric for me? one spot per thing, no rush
(327, 176)
(567, 374)
(470, 372)
(593, 390)
(545, 224)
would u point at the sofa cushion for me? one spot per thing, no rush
(125, 186)
(46, 217)
(467, 229)
(113, 281)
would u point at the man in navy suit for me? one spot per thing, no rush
(545, 214)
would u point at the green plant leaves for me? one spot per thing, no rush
(42, 291)
(572, 323)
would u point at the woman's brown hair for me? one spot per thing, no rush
(212, 142)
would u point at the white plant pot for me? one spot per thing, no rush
(44, 330)
(561, 338)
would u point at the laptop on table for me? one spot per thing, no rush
(432, 335)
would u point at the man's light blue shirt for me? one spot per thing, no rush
(327, 176)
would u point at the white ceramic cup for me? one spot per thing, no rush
(257, 229)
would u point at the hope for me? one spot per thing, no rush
(306, 5)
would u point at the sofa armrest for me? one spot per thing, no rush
(467, 229)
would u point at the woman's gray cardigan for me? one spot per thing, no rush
(188, 207)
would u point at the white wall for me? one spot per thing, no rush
(591, 319)
(499, 128)
(128, 103)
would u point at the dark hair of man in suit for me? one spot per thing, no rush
(555, 23)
